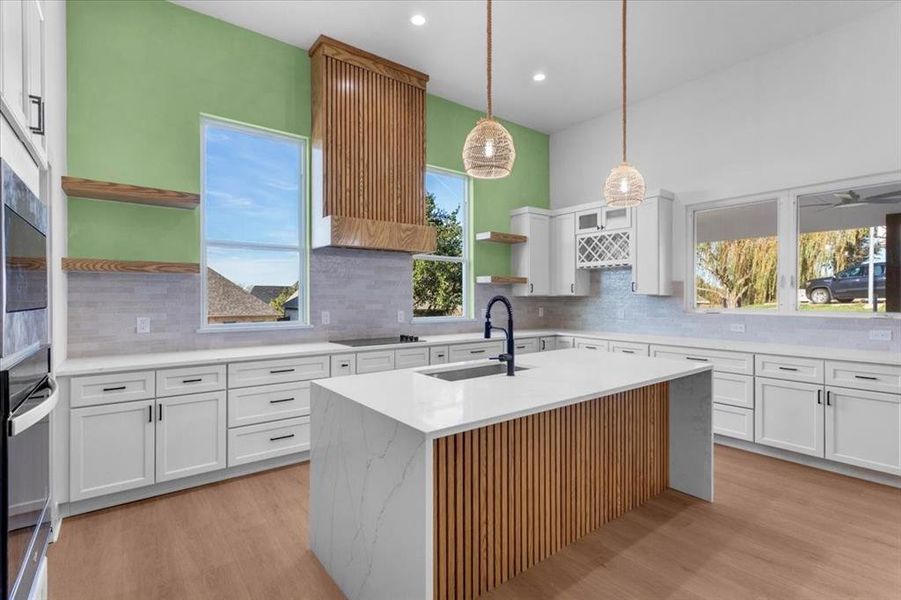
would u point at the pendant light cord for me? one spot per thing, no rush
(489, 59)
(624, 79)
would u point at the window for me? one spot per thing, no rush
(827, 249)
(842, 233)
(736, 257)
(253, 249)
(440, 279)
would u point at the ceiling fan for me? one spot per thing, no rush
(852, 198)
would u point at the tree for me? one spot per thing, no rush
(735, 273)
(278, 303)
(438, 286)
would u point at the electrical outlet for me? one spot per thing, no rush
(620, 313)
(400, 316)
(143, 325)
(737, 327)
(881, 335)
(540, 311)
(326, 317)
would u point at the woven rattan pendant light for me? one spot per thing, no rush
(488, 151)
(625, 185)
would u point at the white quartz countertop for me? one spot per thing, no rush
(552, 379)
(161, 360)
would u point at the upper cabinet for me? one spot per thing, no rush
(653, 242)
(368, 160)
(22, 88)
(532, 259)
(566, 279)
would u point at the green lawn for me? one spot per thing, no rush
(835, 307)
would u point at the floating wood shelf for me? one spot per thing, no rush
(100, 265)
(134, 194)
(499, 237)
(500, 279)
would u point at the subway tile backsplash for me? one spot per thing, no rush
(363, 290)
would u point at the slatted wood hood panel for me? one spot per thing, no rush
(368, 151)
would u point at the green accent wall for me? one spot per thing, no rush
(141, 73)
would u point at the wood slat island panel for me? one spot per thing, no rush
(511, 494)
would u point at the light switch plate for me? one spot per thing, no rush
(143, 325)
(737, 327)
(326, 317)
(540, 311)
(881, 335)
(400, 316)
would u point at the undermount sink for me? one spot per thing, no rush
(459, 374)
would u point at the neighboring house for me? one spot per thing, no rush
(267, 293)
(227, 302)
(292, 311)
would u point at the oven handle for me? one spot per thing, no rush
(22, 422)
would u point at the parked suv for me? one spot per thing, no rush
(847, 285)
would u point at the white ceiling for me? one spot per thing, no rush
(575, 42)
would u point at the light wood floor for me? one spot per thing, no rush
(777, 530)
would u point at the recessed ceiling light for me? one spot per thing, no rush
(417, 20)
(539, 77)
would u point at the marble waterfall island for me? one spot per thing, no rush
(423, 488)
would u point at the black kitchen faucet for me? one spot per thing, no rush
(508, 356)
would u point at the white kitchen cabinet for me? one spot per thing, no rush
(250, 406)
(344, 364)
(438, 355)
(590, 344)
(527, 346)
(190, 380)
(268, 440)
(406, 358)
(111, 448)
(375, 361)
(566, 279)
(190, 435)
(864, 429)
(547, 343)
(635, 348)
(789, 415)
(34, 73)
(652, 244)
(475, 351)
(564, 342)
(732, 389)
(734, 422)
(531, 259)
(864, 376)
(281, 370)
(12, 57)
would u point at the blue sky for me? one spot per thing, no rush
(449, 189)
(251, 194)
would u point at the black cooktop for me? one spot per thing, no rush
(383, 341)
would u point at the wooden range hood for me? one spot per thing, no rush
(368, 151)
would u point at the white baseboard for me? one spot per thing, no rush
(811, 461)
(71, 509)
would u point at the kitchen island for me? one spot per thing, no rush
(422, 487)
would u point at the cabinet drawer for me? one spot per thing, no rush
(259, 442)
(630, 348)
(283, 370)
(411, 357)
(438, 355)
(732, 389)
(249, 406)
(564, 342)
(117, 387)
(864, 376)
(807, 370)
(190, 380)
(526, 346)
(589, 344)
(722, 360)
(475, 351)
(732, 421)
(344, 364)
(373, 362)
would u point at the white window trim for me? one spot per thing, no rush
(465, 260)
(302, 247)
(788, 233)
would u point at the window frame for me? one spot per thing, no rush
(465, 260)
(787, 235)
(303, 243)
